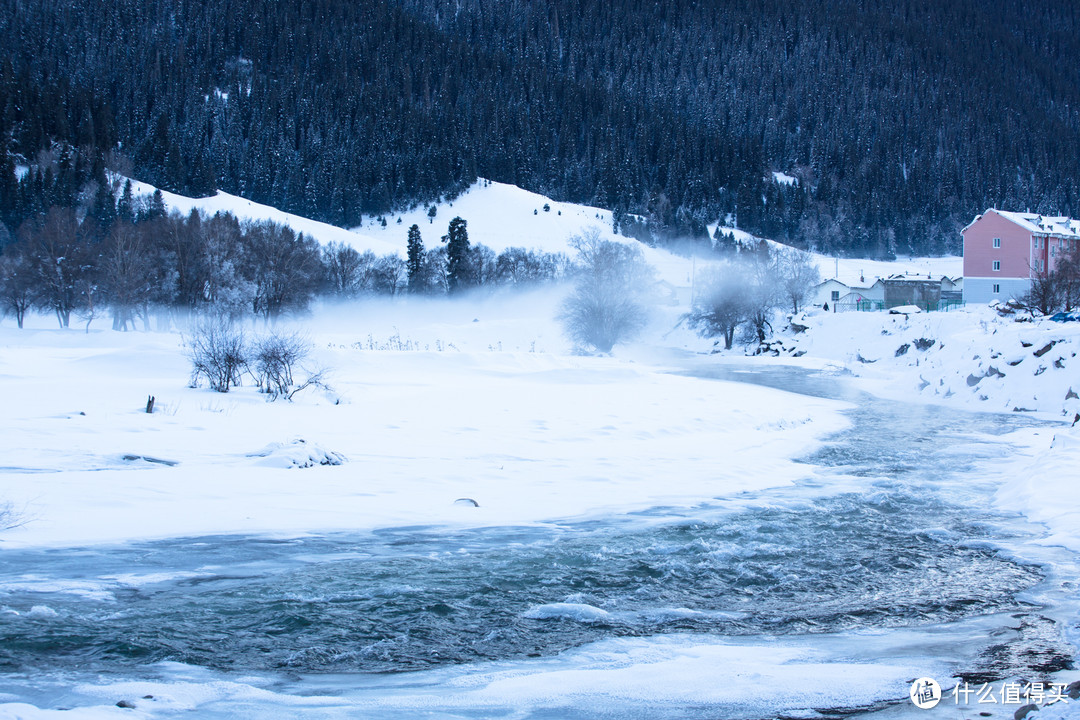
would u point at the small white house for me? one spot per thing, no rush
(830, 291)
(864, 298)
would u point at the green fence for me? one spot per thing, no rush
(879, 305)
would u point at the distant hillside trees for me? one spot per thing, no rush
(894, 122)
(147, 263)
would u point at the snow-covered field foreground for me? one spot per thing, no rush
(430, 402)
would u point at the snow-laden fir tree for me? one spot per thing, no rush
(414, 264)
(457, 255)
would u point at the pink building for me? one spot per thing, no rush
(1004, 250)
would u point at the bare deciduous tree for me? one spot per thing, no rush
(345, 270)
(218, 352)
(723, 303)
(765, 290)
(61, 258)
(518, 266)
(389, 275)
(283, 268)
(226, 290)
(747, 291)
(128, 274)
(797, 274)
(16, 282)
(275, 356)
(433, 276)
(608, 303)
(1044, 294)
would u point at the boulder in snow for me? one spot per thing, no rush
(296, 454)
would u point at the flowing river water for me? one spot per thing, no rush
(891, 541)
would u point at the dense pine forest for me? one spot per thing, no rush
(899, 120)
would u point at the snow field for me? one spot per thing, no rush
(468, 403)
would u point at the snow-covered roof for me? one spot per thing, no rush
(1043, 224)
(832, 281)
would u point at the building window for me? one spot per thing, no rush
(997, 242)
(997, 265)
(835, 295)
(997, 288)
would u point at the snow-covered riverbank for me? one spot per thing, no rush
(970, 357)
(974, 358)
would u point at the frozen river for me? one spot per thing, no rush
(887, 563)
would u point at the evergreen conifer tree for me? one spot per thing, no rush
(457, 255)
(157, 207)
(103, 207)
(414, 265)
(9, 188)
(125, 207)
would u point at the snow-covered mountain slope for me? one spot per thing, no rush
(501, 216)
(498, 216)
(253, 211)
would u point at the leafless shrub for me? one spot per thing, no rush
(315, 379)
(275, 357)
(218, 352)
(10, 518)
